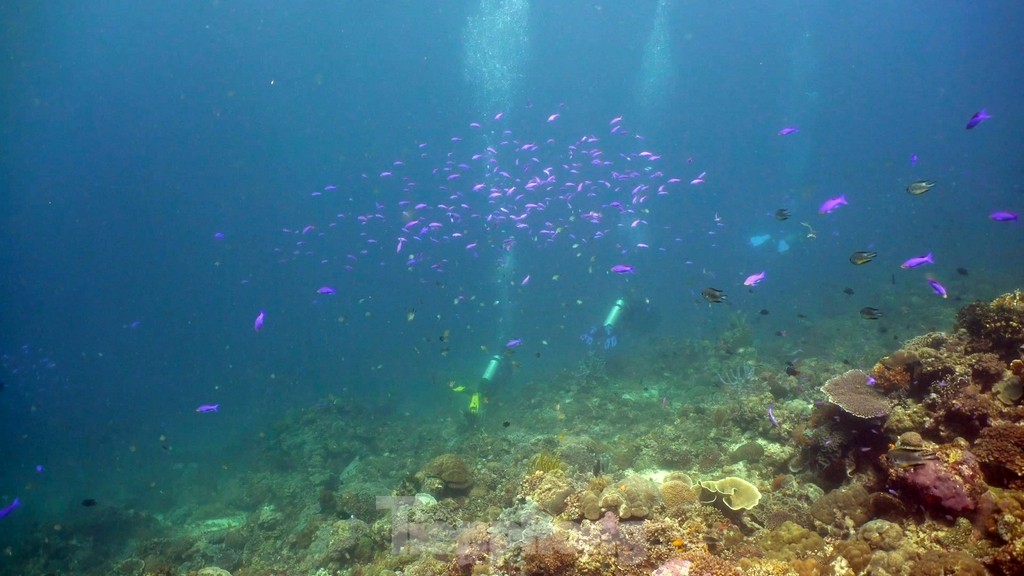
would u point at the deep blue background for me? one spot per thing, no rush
(132, 132)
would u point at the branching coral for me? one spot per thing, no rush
(997, 327)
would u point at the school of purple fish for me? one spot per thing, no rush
(508, 189)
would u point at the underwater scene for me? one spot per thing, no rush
(511, 288)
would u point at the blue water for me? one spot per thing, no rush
(134, 133)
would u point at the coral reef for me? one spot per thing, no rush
(919, 472)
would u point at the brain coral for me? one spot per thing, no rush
(676, 493)
(451, 470)
(852, 392)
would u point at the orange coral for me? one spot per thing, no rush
(891, 379)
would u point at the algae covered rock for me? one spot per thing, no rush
(634, 497)
(341, 543)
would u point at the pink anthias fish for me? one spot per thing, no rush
(754, 279)
(979, 117)
(918, 261)
(207, 408)
(1004, 216)
(937, 288)
(831, 204)
(788, 130)
(258, 323)
(622, 269)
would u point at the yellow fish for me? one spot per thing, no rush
(859, 258)
(920, 187)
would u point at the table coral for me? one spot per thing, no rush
(852, 392)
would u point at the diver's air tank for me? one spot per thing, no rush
(614, 315)
(491, 370)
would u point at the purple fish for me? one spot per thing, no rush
(6, 510)
(918, 261)
(937, 288)
(207, 408)
(832, 203)
(514, 343)
(258, 324)
(622, 269)
(788, 130)
(754, 279)
(326, 291)
(913, 159)
(979, 117)
(1004, 216)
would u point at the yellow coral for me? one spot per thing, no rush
(1014, 300)
(736, 493)
(546, 462)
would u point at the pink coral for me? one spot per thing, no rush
(939, 486)
(674, 567)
